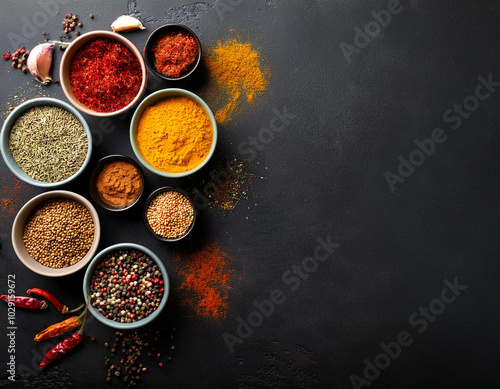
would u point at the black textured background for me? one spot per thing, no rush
(323, 175)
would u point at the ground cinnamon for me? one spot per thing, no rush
(119, 184)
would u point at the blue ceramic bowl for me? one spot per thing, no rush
(90, 271)
(153, 99)
(5, 135)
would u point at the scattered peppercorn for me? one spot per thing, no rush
(70, 23)
(128, 363)
(19, 58)
(91, 16)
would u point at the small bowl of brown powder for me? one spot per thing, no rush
(56, 233)
(117, 183)
(169, 214)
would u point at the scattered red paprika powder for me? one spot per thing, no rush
(105, 75)
(11, 191)
(208, 280)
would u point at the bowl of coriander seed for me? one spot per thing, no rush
(46, 142)
(56, 233)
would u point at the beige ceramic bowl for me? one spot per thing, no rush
(20, 222)
(64, 70)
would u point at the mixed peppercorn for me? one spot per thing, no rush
(18, 59)
(126, 286)
(71, 23)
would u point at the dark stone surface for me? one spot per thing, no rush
(323, 176)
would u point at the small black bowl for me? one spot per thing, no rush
(95, 174)
(149, 55)
(148, 202)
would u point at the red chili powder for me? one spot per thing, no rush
(208, 278)
(175, 53)
(105, 75)
(11, 190)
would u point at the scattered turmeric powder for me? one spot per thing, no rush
(237, 70)
(175, 135)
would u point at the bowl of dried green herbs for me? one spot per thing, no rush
(46, 142)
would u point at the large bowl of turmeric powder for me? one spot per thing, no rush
(173, 133)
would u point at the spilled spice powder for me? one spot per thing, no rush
(11, 190)
(236, 188)
(238, 72)
(21, 93)
(208, 278)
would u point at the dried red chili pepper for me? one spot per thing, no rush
(61, 348)
(24, 302)
(61, 327)
(66, 345)
(53, 299)
(57, 329)
(6, 56)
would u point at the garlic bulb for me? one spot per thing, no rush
(127, 23)
(40, 61)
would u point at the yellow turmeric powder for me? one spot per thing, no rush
(237, 70)
(175, 135)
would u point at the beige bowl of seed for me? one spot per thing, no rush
(56, 233)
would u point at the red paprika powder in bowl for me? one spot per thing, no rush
(173, 52)
(103, 74)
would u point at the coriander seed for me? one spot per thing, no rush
(170, 214)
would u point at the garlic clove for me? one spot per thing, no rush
(127, 23)
(40, 61)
